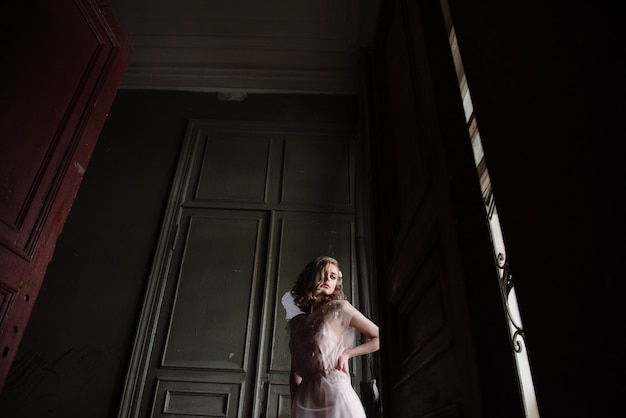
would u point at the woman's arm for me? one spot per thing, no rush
(294, 381)
(369, 330)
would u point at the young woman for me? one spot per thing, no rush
(322, 325)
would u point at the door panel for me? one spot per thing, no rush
(298, 238)
(234, 167)
(208, 333)
(198, 399)
(271, 166)
(317, 170)
(62, 62)
(217, 276)
(301, 237)
(278, 400)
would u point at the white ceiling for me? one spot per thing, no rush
(246, 45)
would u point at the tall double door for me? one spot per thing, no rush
(251, 204)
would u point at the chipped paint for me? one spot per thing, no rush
(79, 168)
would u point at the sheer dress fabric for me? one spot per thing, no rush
(316, 341)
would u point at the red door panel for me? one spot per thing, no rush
(62, 63)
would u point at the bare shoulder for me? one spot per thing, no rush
(359, 321)
(346, 306)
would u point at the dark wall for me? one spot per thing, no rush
(73, 358)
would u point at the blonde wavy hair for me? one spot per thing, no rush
(307, 287)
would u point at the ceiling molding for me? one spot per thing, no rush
(249, 81)
(299, 46)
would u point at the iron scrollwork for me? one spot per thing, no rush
(518, 339)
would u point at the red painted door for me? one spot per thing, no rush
(62, 62)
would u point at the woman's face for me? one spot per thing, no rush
(330, 277)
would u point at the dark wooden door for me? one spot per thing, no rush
(445, 346)
(251, 204)
(62, 62)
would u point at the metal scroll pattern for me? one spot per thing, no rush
(505, 277)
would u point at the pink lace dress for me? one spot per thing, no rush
(317, 340)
